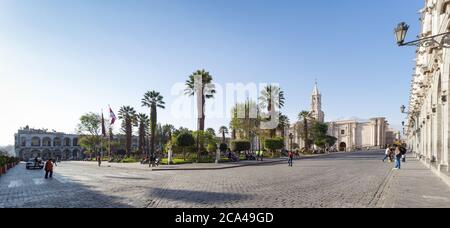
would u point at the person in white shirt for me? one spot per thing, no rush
(387, 154)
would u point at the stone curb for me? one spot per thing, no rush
(218, 168)
(241, 165)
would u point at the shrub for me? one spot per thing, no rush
(212, 148)
(223, 147)
(273, 144)
(240, 145)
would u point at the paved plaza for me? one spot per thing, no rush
(356, 179)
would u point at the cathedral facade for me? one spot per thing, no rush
(351, 135)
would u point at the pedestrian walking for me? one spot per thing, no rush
(398, 156)
(99, 160)
(291, 158)
(49, 169)
(387, 154)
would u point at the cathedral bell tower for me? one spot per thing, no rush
(316, 105)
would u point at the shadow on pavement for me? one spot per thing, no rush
(36, 192)
(197, 196)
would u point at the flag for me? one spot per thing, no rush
(103, 126)
(112, 116)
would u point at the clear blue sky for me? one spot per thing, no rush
(60, 59)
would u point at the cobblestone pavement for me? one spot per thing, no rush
(357, 179)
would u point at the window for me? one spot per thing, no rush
(342, 132)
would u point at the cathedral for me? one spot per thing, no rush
(351, 135)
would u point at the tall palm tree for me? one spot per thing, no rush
(153, 100)
(143, 122)
(128, 115)
(271, 97)
(305, 117)
(283, 124)
(223, 131)
(204, 90)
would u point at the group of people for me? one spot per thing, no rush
(395, 153)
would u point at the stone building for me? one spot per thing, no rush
(350, 134)
(354, 135)
(30, 143)
(428, 116)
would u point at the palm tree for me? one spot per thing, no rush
(128, 115)
(224, 131)
(204, 90)
(305, 116)
(143, 122)
(153, 100)
(211, 131)
(272, 96)
(283, 123)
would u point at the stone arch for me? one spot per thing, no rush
(57, 141)
(75, 141)
(57, 154)
(67, 142)
(342, 146)
(46, 154)
(35, 141)
(76, 153)
(67, 155)
(35, 153)
(24, 155)
(47, 142)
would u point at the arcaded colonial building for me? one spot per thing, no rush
(351, 134)
(30, 143)
(429, 111)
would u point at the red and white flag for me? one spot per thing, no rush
(112, 116)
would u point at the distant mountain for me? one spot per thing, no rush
(8, 149)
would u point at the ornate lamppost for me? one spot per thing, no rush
(402, 30)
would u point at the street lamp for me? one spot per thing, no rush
(402, 29)
(403, 110)
(400, 33)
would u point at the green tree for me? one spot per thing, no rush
(223, 131)
(90, 124)
(167, 132)
(240, 145)
(143, 122)
(274, 144)
(185, 140)
(272, 97)
(204, 90)
(211, 131)
(283, 124)
(128, 115)
(153, 100)
(245, 119)
(223, 147)
(90, 128)
(212, 148)
(305, 116)
(319, 134)
(330, 140)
